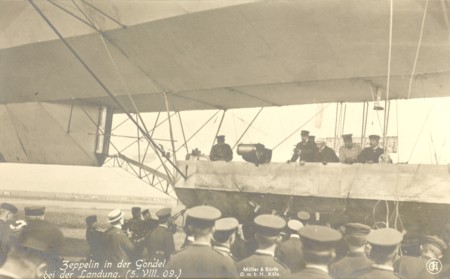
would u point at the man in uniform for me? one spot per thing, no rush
(7, 215)
(238, 247)
(304, 149)
(262, 263)
(160, 243)
(356, 238)
(118, 246)
(324, 154)
(289, 251)
(318, 251)
(150, 221)
(384, 243)
(371, 154)
(199, 260)
(34, 213)
(348, 153)
(225, 235)
(36, 252)
(136, 224)
(95, 239)
(221, 151)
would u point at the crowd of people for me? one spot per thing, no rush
(264, 246)
(309, 149)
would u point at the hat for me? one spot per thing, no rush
(347, 136)
(303, 216)
(269, 225)
(164, 213)
(226, 224)
(435, 241)
(42, 236)
(7, 206)
(34, 210)
(375, 137)
(357, 229)
(203, 216)
(220, 137)
(304, 133)
(91, 219)
(319, 238)
(385, 237)
(146, 211)
(294, 225)
(115, 215)
(136, 211)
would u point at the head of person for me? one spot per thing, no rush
(201, 221)
(312, 139)
(7, 212)
(374, 140)
(304, 217)
(319, 244)
(35, 213)
(164, 215)
(348, 141)
(304, 135)
(384, 245)
(268, 229)
(91, 221)
(356, 236)
(115, 218)
(36, 251)
(294, 226)
(432, 247)
(225, 231)
(136, 212)
(146, 214)
(320, 143)
(220, 139)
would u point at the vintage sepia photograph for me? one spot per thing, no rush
(225, 139)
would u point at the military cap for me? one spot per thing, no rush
(347, 136)
(136, 211)
(145, 212)
(115, 215)
(311, 138)
(435, 241)
(164, 213)
(269, 225)
(385, 237)
(357, 229)
(304, 133)
(375, 137)
(91, 219)
(220, 137)
(34, 210)
(41, 236)
(294, 225)
(303, 216)
(7, 206)
(226, 224)
(319, 238)
(203, 216)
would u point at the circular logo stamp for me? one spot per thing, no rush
(434, 266)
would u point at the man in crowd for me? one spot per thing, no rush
(150, 221)
(324, 154)
(238, 247)
(304, 217)
(318, 251)
(225, 235)
(118, 246)
(267, 235)
(160, 243)
(289, 251)
(348, 153)
(199, 260)
(304, 149)
(7, 215)
(95, 239)
(356, 260)
(221, 151)
(371, 154)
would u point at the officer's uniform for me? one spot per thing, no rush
(384, 241)
(349, 155)
(150, 222)
(118, 246)
(318, 241)
(325, 154)
(224, 229)
(370, 154)
(221, 151)
(262, 264)
(290, 251)
(160, 243)
(95, 240)
(304, 150)
(238, 248)
(199, 260)
(353, 262)
(5, 230)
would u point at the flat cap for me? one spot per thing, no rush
(375, 137)
(269, 225)
(304, 133)
(294, 225)
(319, 238)
(303, 216)
(220, 137)
(347, 136)
(357, 229)
(7, 206)
(115, 215)
(384, 237)
(41, 236)
(34, 210)
(91, 219)
(226, 224)
(163, 213)
(203, 216)
(435, 241)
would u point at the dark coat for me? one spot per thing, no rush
(305, 151)
(311, 273)
(350, 265)
(369, 154)
(117, 245)
(290, 253)
(160, 243)
(96, 242)
(376, 273)
(271, 268)
(409, 267)
(326, 155)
